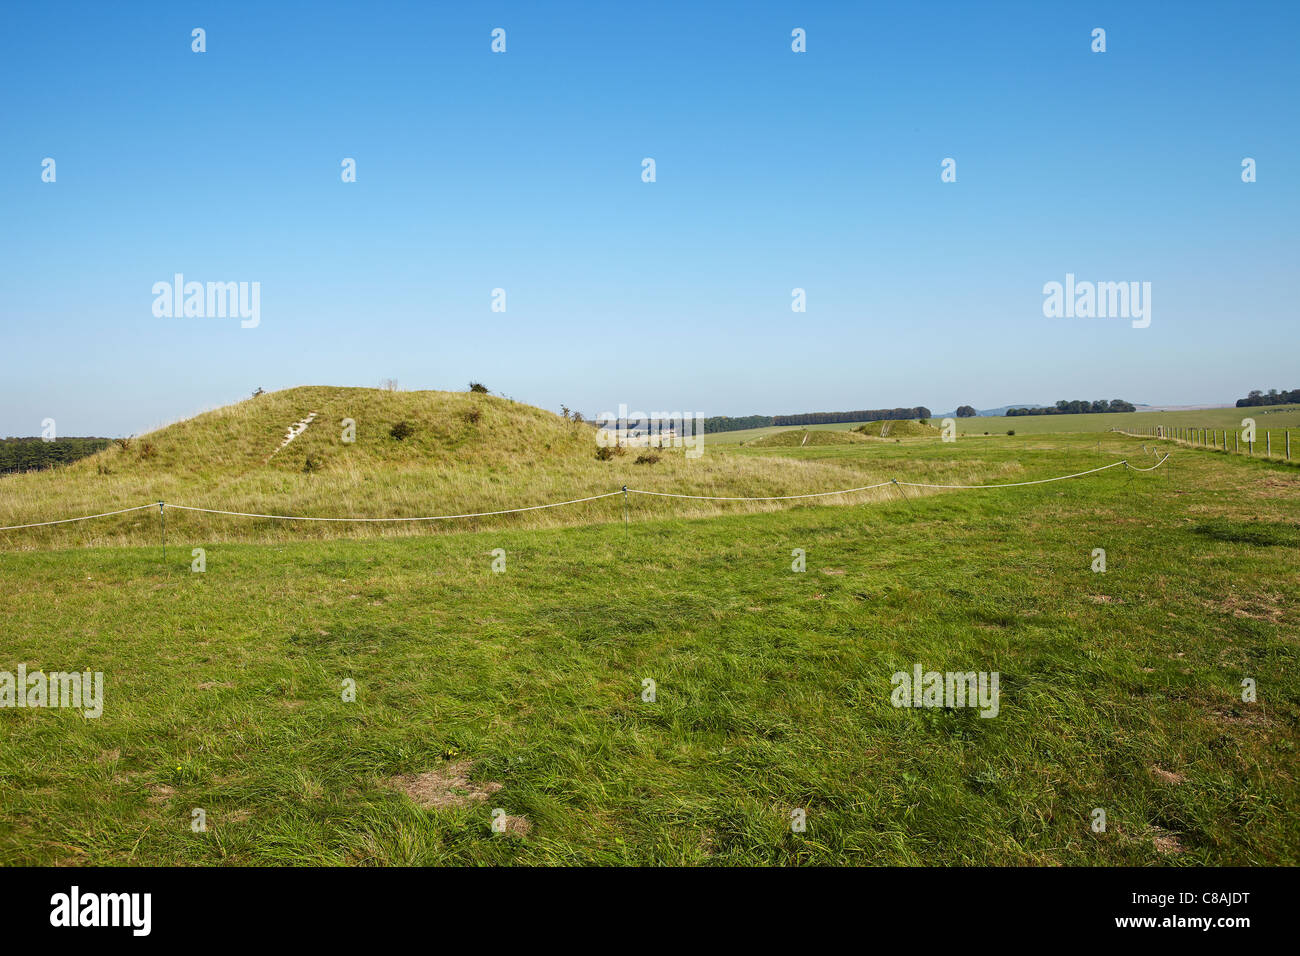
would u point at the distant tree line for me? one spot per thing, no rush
(1077, 407)
(966, 411)
(725, 423)
(1274, 397)
(862, 415)
(29, 454)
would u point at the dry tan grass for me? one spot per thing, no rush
(468, 454)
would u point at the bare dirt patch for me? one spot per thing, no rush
(1246, 717)
(1257, 607)
(515, 826)
(447, 786)
(1168, 776)
(160, 793)
(1278, 488)
(1167, 842)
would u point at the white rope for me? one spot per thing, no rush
(1017, 484)
(106, 514)
(576, 501)
(1152, 468)
(479, 514)
(910, 484)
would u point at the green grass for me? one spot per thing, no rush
(1119, 690)
(897, 430)
(805, 438)
(747, 435)
(1273, 417)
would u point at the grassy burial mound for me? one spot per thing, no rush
(357, 452)
(897, 429)
(804, 438)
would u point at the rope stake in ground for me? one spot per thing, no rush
(624, 491)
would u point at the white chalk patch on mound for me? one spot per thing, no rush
(296, 429)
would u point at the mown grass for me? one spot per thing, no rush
(1120, 690)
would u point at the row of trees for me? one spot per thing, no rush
(1077, 407)
(861, 415)
(1273, 397)
(725, 423)
(29, 454)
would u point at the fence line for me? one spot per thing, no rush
(1196, 436)
(559, 504)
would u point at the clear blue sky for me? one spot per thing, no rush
(523, 171)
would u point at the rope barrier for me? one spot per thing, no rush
(1018, 484)
(1152, 468)
(574, 501)
(106, 514)
(479, 514)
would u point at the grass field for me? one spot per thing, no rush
(464, 454)
(522, 690)
(805, 438)
(1274, 416)
(1269, 417)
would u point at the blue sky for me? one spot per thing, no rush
(522, 171)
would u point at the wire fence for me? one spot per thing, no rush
(625, 491)
(1216, 439)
